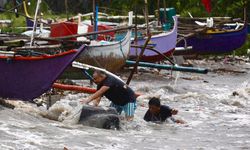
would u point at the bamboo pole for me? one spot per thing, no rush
(85, 34)
(164, 5)
(138, 60)
(94, 16)
(35, 22)
(158, 8)
(66, 8)
(156, 51)
(136, 30)
(40, 47)
(169, 67)
(146, 16)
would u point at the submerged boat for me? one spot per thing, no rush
(164, 42)
(28, 77)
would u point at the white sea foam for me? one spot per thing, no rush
(215, 119)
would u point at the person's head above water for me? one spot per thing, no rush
(154, 105)
(98, 76)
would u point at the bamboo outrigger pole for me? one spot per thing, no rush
(35, 22)
(138, 60)
(158, 8)
(87, 34)
(168, 67)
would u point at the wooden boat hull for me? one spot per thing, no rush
(111, 56)
(217, 43)
(164, 42)
(26, 78)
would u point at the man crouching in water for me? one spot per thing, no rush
(121, 96)
(160, 113)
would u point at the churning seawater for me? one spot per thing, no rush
(215, 108)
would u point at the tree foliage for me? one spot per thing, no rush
(232, 8)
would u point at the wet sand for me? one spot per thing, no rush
(215, 108)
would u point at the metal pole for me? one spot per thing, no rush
(35, 22)
(96, 17)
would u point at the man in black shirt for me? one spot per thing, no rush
(121, 96)
(159, 113)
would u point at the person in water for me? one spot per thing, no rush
(122, 97)
(160, 113)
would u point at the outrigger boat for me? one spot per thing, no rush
(27, 77)
(215, 40)
(110, 55)
(165, 43)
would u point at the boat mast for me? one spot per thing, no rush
(35, 22)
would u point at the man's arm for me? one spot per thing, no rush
(97, 101)
(97, 94)
(165, 113)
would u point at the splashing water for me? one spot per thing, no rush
(216, 113)
(176, 78)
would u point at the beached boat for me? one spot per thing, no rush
(27, 77)
(164, 42)
(216, 41)
(108, 55)
(217, 37)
